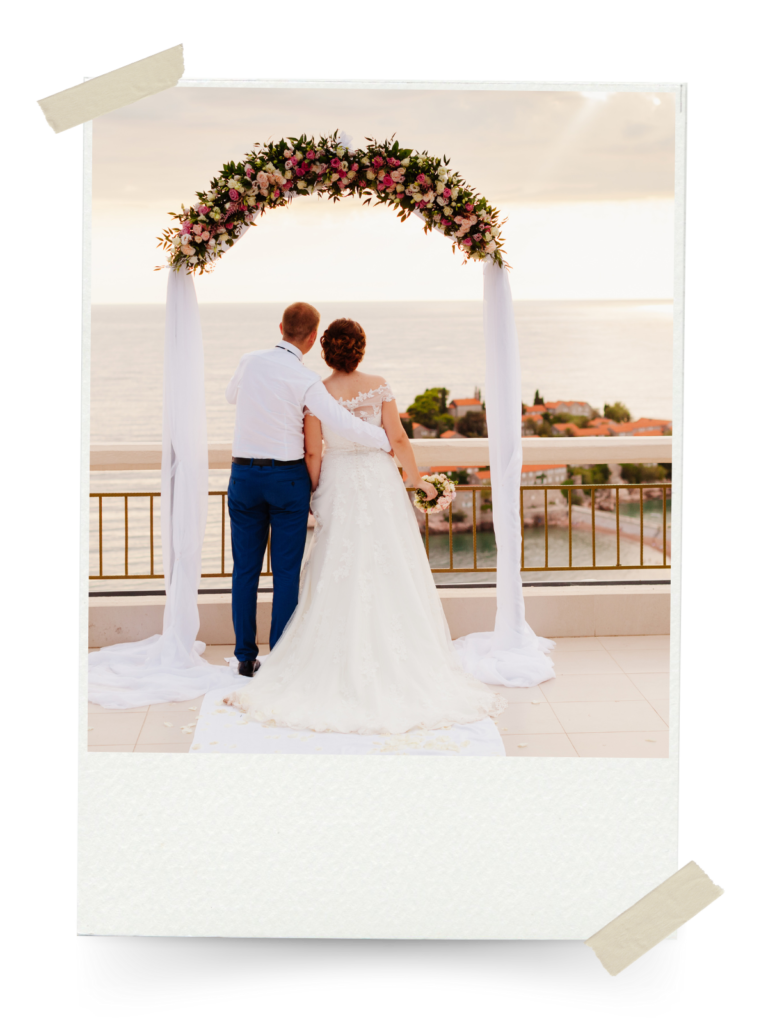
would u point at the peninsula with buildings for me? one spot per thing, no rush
(432, 415)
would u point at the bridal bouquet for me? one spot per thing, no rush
(446, 492)
(275, 173)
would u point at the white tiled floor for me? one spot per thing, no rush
(610, 699)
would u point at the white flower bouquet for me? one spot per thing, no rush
(446, 492)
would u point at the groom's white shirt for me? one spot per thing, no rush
(271, 390)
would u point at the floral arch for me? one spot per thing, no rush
(276, 173)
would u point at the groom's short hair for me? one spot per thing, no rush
(299, 320)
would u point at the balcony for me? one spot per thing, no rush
(596, 579)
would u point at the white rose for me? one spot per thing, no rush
(370, 175)
(302, 184)
(288, 175)
(286, 153)
(299, 156)
(340, 151)
(344, 165)
(454, 193)
(406, 162)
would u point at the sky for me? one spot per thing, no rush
(585, 180)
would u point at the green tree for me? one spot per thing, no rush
(407, 426)
(538, 399)
(618, 412)
(473, 424)
(597, 475)
(431, 410)
(642, 473)
(459, 476)
(543, 429)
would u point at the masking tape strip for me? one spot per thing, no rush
(653, 918)
(116, 89)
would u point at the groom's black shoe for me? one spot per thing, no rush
(248, 668)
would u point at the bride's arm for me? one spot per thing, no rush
(313, 447)
(401, 446)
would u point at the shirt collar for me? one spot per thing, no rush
(291, 348)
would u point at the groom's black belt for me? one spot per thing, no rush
(237, 461)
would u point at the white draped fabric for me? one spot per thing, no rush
(168, 667)
(512, 655)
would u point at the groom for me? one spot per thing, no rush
(269, 484)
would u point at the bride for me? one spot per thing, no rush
(367, 649)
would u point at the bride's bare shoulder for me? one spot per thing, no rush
(369, 381)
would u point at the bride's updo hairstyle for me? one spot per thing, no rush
(343, 345)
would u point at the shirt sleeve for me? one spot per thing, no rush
(234, 384)
(321, 404)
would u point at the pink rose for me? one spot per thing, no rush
(234, 194)
(203, 210)
(186, 227)
(355, 167)
(421, 179)
(377, 161)
(336, 163)
(387, 180)
(470, 207)
(249, 172)
(446, 193)
(381, 186)
(311, 155)
(393, 162)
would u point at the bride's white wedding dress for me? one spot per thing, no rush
(368, 648)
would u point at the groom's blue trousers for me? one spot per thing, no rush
(260, 497)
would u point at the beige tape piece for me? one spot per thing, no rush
(115, 89)
(653, 918)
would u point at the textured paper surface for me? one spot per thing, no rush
(654, 917)
(116, 89)
(448, 848)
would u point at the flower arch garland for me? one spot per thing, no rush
(275, 173)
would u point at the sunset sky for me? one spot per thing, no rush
(586, 181)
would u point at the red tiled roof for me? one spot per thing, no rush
(466, 401)
(535, 408)
(540, 469)
(451, 433)
(483, 474)
(443, 469)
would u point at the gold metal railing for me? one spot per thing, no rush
(477, 523)
(594, 489)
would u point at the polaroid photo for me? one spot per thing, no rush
(380, 584)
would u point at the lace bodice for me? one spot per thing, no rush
(367, 406)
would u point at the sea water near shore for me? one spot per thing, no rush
(593, 351)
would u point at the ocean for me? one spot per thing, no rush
(592, 351)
